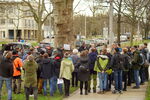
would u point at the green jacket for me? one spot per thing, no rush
(30, 76)
(135, 64)
(66, 69)
(102, 65)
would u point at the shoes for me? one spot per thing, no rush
(81, 93)
(124, 89)
(136, 87)
(89, 91)
(114, 92)
(94, 90)
(120, 92)
(142, 83)
(86, 92)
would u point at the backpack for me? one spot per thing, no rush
(141, 59)
(127, 62)
(120, 61)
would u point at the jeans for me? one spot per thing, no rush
(27, 92)
(8, 82)
(136, 78)
(125, 78)
(102, 81)
(55, 85)
(118, 80)
(45, 81)
(142, 74)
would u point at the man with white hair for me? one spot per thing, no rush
(75, 59)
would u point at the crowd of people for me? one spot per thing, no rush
(78, 67)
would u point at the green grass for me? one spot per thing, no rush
(147, 96)
(134, 43)
(56, 96)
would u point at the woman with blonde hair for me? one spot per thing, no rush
(66, 70)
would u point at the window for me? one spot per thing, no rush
(2, 21)
(11, 21)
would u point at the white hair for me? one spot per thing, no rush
(75, 51)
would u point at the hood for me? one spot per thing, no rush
(103, 56)
(46, 61)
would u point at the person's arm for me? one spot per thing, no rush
(72, 67)
(61, 69)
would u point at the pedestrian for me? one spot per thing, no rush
(127, 66)
(93, 74)
(6, 74)
(101, 66)
(47, 72)
(117, 66)
(84, 72)
(17, 66)
(75, 59)
(30, 78)
(39, 78)
(57, 62)
(136, 66)
(66, 70)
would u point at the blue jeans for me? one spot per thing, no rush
(50, 86)
(136, 78)
(118, 80)
(102, 81)
(8, 82)
(60, 86)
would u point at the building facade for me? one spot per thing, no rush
(16, 22)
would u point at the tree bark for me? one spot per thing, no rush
(118, 28)
(39, 32)
(63, 22)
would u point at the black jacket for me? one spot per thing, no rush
(47, 68)
(57, 63)
(117, 62)
(6, 68)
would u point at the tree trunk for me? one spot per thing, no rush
(63, 22)
(131, 37)
(118, 28)
(39, 33)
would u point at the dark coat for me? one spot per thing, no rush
(6, 68)
(84, 76)
(92, 60)
(39, 62)
(117, 62)
(47, 69)
(57, 64)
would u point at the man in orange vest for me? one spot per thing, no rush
(17, 65)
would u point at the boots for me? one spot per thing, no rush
(86, 92)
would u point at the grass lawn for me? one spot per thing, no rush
(57, 96)
(147, 97)
(135, 43)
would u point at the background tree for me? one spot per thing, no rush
(39, 12)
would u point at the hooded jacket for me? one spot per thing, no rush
(66, 69)
(30, 68)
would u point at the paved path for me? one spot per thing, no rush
(130, 94)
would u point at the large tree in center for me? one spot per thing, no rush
(63, 22)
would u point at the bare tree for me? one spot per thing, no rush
(134, 10)
(40, 13)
